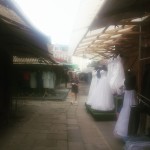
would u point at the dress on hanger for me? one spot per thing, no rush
(116, 75)
(121, 127)
(92, 87)
(102, 96)
(46, 77)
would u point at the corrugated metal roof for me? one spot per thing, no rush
(29, 60)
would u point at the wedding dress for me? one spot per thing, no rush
(121, 127)
(102, 95)
(92, 87)
(116, 75)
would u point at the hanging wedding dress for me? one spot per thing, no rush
(102, 96)
(116, 75)
(121, 128)
(92, 87)
(111, 73)
(119, 82)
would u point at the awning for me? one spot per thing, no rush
(113, 11)
(115, 29)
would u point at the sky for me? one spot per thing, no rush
(55, 18)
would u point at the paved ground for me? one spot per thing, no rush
(57, 125)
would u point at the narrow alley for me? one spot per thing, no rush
(57, 125)
(101, 49)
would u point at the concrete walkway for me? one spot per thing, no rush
(54, 125)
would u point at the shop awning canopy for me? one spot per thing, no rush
(115, 29)
(117, 11)
(18, 37)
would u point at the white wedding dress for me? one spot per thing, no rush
(102, 96)
(92, 87)
(116, 75)
(121, 128)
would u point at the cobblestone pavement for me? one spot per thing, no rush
(53, 125)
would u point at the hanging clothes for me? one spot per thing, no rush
(122, 124)
(111, 67)
(116, 75)
(92, 87)
(52, 79)
(49, 79)
(26, 75)
(121, 128)
(33, 83)
(39, 80)
(26, 80)
(46, 78)
(102, 96)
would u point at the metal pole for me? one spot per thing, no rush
(140, 41)
(139, 63)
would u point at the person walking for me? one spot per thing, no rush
(74, 87)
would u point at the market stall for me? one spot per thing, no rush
(122, 28)
(18, 38)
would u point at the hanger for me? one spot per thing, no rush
(114, 56)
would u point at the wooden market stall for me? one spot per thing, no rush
(122, 28)
(30, 77)
(18, 38)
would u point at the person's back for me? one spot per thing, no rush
(74, 86)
